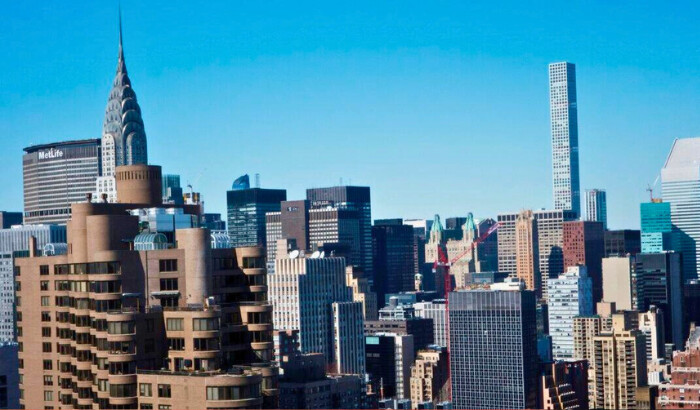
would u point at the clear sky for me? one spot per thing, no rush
(440, 107)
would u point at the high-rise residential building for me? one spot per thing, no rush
(123, 133)
(393, 256)
(303, 291)
(597, 206)
(585, 329)
(570, 295)
(429, 377)
(683, 390)
(691, 303)
(493, 337)
(185, 326)
(620, 365)
(246, 214)
(353, 198)
(527, 267)
(475, 257)
(656, 229)
(584, 244)
(550, 240)
(57, 175)
(14, 242)
(564, 125)
(389, 360)
(435, 310)
(617, 281)
(680, 186)
(172, 190)
(7, 219)
(622, 242)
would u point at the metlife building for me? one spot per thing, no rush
(56, 175)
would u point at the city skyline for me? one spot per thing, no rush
(353, 105)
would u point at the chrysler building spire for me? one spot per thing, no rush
(123, 134)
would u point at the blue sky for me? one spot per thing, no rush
(441, 107)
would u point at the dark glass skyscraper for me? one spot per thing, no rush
(493, 349)
(246, 214)
(394, 258)
(356, 198)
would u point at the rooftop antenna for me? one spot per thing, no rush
(257, 180)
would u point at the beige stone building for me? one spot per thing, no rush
(107, 326)
(362, 292)
(619, 364)
(526, 256)
(429, 377)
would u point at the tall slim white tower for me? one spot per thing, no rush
(597, 206)
(564, 125)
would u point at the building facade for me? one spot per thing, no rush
(622, 242)
(389, 360)
(584, 244)
(246, 214)
(14, 242)
(393, 257)
(527, 267)
(429, 377)
(435, 310)
(620, 365)
(352, 198)
(570, 295)
(680, 187)
(564, 126)
(656, 228)
(105, 325)
(550, 242)
(493, 337)
(597, 206)
(57, 175)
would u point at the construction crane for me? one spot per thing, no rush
(444, 263)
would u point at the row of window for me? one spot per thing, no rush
(198, 324)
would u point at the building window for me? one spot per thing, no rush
(146, 406)
(174, 323)
(43, 270)
(46, 332)
(168, 284)
(45, 316)
(120, 328)
(163, 390)
(102, 385)
(176, 343)
(45, 301)
(205, 324)
(165, 406)
(18, 286)
(46, 347)
(253, 262)
(48, 365)
(48, 380)
(167, 265)
(44, 285)
(48, 395)
(145, 390)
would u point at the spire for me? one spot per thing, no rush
(121, 66)
(437, 226)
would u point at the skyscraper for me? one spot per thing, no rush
(656, 226)
(356, 198)
(123, 134)
(597, 206)
(570, 295)
(550, 242)
(680, 186)
(526, 252)
(493, 349)
(246, 214)
(393, 256)
(57, 175)
(564, 125)
(584, 244)
(172, 190)
(620, 365)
